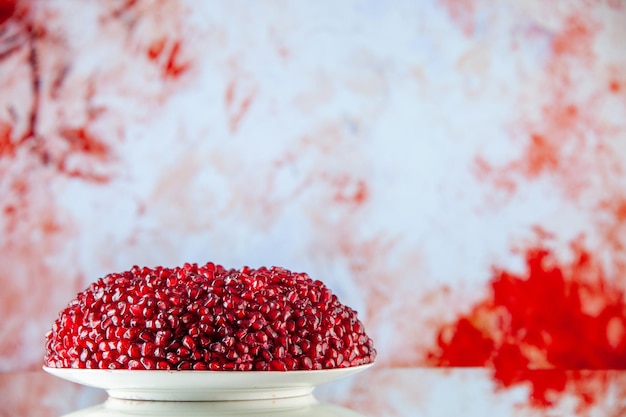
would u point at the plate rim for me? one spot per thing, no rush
(203, 385)
(347, 369)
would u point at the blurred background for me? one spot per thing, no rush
(453, 170)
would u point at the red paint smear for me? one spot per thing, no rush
(80, 140)
(7, 10)
(562, 142)
(350, 191)
(484, 171)
(173, 67)
(170, 61)
(156, 49)
(544, 152)
(541, 155)
(229, 96)
(615, 86)
(13, 209)
(7, 147)
(124, 8)
(574, 39)
(237, 112)
(462, 13)
(554, 316)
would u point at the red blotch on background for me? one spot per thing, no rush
(156, 48)
(615, 86)
(237, 107)
(541, 155)
(7, 9)
(574, 38)
(537, 326)
(462, 13)
(167, 55)
(7, 147)
(173, 67)
(350, 191)
(466, 345)
(80, 140)
(123, 8)
(562, 142)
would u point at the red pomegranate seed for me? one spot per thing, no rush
(172, 358)
(188, 342)
(229, 366)
(277, 365)
(266, 355)
(148, 363)
(207, 318)
(279, 352)
(306, 363)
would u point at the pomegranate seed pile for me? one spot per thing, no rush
(207, 318)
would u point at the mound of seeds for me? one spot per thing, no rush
(208, 318)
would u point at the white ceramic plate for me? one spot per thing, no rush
(203, 385)
(305, 406)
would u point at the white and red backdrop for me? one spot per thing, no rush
(453, 170)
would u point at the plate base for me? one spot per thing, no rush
(209, 395)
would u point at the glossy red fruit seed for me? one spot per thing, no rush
(205, 317)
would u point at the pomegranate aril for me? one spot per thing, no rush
(172, 358)
(217, 347)
(148, 363)
(176, 311)
(242, 348)
(306, 363)
(188, 342)
(90, 345)
(122, 345)
(122, 360)
(194, 332)
(147, 349)
(279, 352)
(163, 338)
(277, 365)
(205, 341)
(266, 355)
(295, 350)
(255, 351)
(228, 341)
(305, 345)
(339, 359)
(183, 352)
(159, 352)
(246, 366)
(110, 355)
(261, 337)
(290, 363)
(134, 351)
(229, 366)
